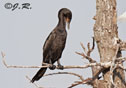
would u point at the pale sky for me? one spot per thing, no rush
(23, 33)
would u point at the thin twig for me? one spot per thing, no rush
(93, 43)
(87, 57)
(90, 49)
(88, 46)
(34, 83)
(87, 81)
(70, 73)
(83, 47)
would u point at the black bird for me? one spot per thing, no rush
(55, 43)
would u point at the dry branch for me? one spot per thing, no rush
(83, 47)
(105, 65)
(87, 56)
(90, 49)
(47, 65)
(115, 63)
(34, 83)
(69, 73)
(87, 81)
(65, 67)
(50, 74)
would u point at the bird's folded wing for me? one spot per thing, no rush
(48, 43)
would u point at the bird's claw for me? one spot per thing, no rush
(61, 67)
(52, 67)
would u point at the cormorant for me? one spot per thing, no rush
(55, 43)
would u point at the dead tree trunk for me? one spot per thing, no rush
(106, 37)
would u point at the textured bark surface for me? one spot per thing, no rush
(106, 37)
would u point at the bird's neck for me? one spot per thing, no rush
(62, 22)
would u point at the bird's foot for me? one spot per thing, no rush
(61, 67)
(52, 67)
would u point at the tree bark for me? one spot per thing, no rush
(106, 37)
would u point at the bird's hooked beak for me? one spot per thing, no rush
(68, 23)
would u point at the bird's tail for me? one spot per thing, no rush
(39, 74)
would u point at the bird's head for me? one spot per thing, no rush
(67, 15)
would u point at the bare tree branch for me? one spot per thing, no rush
(83, 47)
(105, 65)
(69, 73)
(58, 73)
(34, 83)
(90, 49)
(87, 81)
(47, 65)
(87, 56)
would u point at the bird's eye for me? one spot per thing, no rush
(65, 15)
